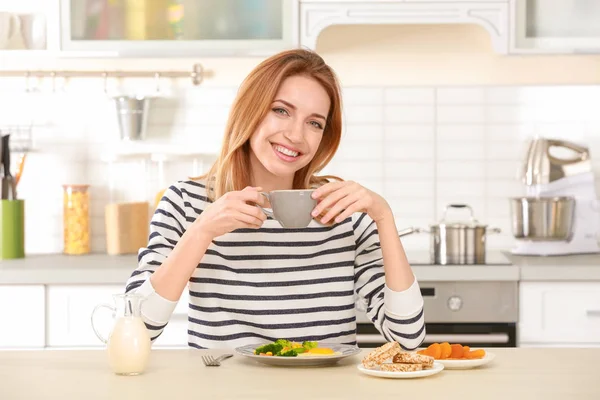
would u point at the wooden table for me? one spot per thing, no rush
(515, 374)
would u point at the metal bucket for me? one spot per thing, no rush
(542, 218)
(132, 115)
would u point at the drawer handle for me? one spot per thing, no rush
(593, 313)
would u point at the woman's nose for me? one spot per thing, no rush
(295, 133)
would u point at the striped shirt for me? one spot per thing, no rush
(259, 285)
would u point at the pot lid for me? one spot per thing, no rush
(469, 223)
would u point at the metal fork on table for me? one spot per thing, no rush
(210, 361)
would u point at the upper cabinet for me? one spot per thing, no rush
(205, 28)
(317, 15)
(557, 26)
(178, 28)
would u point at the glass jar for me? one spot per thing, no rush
(76, 219)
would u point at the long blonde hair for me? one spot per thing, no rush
(231, 171)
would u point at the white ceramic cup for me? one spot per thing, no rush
(291, 208)
(10, 30)
(33, 31)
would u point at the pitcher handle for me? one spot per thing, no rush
(113, 309)
(267, 212)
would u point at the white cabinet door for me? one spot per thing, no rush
(69, 317)
(22, 316)
(557, 26)
(69, 314)
(316, 16)
(165, 28)
(561, 313)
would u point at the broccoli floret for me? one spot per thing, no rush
(274, 348)
(309, 345)
(290, 353)
(283, 343)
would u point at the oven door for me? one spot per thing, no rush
(467, 334)
(471, 313)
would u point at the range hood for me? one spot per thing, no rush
(317, 15)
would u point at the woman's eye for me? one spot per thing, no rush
(316, 124)
(281, 111)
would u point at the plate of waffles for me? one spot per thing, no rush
(390, 361)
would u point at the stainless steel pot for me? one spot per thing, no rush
(542, 218)
(456, 242)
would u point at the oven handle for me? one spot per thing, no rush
(440, 338)
(466, 337)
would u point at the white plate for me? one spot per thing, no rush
(467, 364)
(437, 367)
(344, 351)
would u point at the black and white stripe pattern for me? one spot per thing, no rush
(299, 284)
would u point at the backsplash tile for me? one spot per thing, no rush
(422, 148)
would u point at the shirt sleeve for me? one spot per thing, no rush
(166, 228)
(397, 315)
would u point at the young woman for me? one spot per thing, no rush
(249, 279)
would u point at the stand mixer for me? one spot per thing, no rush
(560, 213)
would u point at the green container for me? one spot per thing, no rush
(12, 225)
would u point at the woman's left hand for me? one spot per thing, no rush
(346, 198)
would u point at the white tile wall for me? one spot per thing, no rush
(421, 148)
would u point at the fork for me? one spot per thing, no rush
(210, 361)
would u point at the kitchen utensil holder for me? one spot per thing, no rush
(132, 116)
(12, 229)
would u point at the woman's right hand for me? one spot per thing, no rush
(233, 210)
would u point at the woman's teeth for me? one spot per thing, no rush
(287, 152)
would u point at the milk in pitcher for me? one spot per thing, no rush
(128, 345)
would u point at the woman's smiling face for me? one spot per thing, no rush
(289, 136)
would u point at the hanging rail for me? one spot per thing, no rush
(196, 74)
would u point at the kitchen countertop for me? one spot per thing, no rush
(580, 267)
(61, 269)
(519, 373)
(97, 269)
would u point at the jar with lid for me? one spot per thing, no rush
(76, 219)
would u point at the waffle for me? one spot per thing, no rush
(381, 354)
(413, 358)
(401, 367)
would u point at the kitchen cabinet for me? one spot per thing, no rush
(22, 316)
(69, 317)
(492, 16)
(559, 313)
(162, 28)
(191, 28)
(514, 26)
(558, 26)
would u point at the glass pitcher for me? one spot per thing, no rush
(128, 343)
